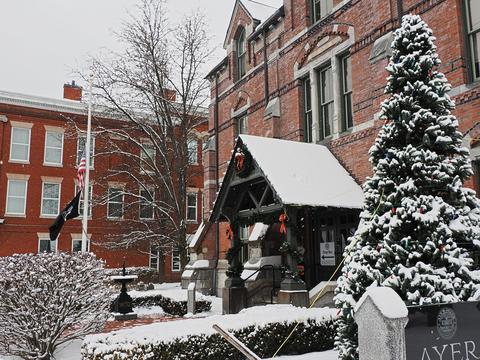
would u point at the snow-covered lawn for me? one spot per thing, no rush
(174, 292)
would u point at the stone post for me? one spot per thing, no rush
(191, 298)
(381, 316)
(292, 290)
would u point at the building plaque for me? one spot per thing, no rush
(443, 332)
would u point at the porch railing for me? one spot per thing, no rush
(274, 287)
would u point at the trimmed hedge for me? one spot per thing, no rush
(170, 306)
(310, 336)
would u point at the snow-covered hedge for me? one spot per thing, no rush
(169, 306)
(261, 328)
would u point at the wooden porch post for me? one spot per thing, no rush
(234, 295)
(293, 290)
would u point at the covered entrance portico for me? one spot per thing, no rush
(308, 199)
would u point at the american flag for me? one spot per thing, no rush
(82, 166)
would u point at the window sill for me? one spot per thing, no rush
(146, 219)
(114, 219)
(191, 221)
(52, 165)
(15, 215)
(23, 162)
(176, 271)
(43, 216)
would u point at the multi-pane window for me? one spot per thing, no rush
(241, 54)
(53, 148)
(326, 101)
(76, 245)
(307, 110)
(146, 204)
(154, 255)
(473, 20)
(346, 88)
(81, 144)
(16, 197)
(115, 203)
(320, 8)
(147, 157)
(243, 236)
(81, 203)
(191, 207)
(192, 148)
(46, 245)
(176, 259)
(242, 125)
(20, 144)
(50, 199)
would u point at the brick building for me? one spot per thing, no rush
(41, 140)
(314, 71)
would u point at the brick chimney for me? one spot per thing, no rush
(170, 95)
(72, 91)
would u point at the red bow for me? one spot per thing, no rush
(229, 232)
(283, 219)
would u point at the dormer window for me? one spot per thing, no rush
(241, 53)
(319, 9)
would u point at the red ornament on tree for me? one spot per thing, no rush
(441, 247)
(394, 211)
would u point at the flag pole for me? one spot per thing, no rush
(86, 188)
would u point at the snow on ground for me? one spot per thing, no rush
(325, 355)
(175, 292)
(167, 331)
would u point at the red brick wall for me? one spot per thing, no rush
(369, 19)
(19, 234)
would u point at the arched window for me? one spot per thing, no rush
(241, 53)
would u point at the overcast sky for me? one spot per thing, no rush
(41, 41)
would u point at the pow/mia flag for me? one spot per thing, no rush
(71, 211)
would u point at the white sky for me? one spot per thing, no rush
(42, 41)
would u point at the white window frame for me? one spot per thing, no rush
(192, 156)
(20, 127)
(7, 213)
(115, 202)
(176, 249)
(140, 205)
(59, 198)
(92, 150)
(40, 239)
(155, 255)
(80, 204)
(196, 207)
(48, 163)
(144, 158)
(242, 124)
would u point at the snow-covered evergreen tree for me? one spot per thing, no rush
(49, 299)
(419, 223)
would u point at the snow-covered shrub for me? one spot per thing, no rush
(170, 306)
(311, 335)
(49, 299)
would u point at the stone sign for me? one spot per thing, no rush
(443, 332)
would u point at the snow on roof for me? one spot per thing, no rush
(261, 10)
(304, 174)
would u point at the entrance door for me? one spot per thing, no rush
(330, 232)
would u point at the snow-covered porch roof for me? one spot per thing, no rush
(298, 174)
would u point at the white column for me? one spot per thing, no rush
(315, 106)
(337, 103)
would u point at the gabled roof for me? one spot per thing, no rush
(259, 11)
(304, 174)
